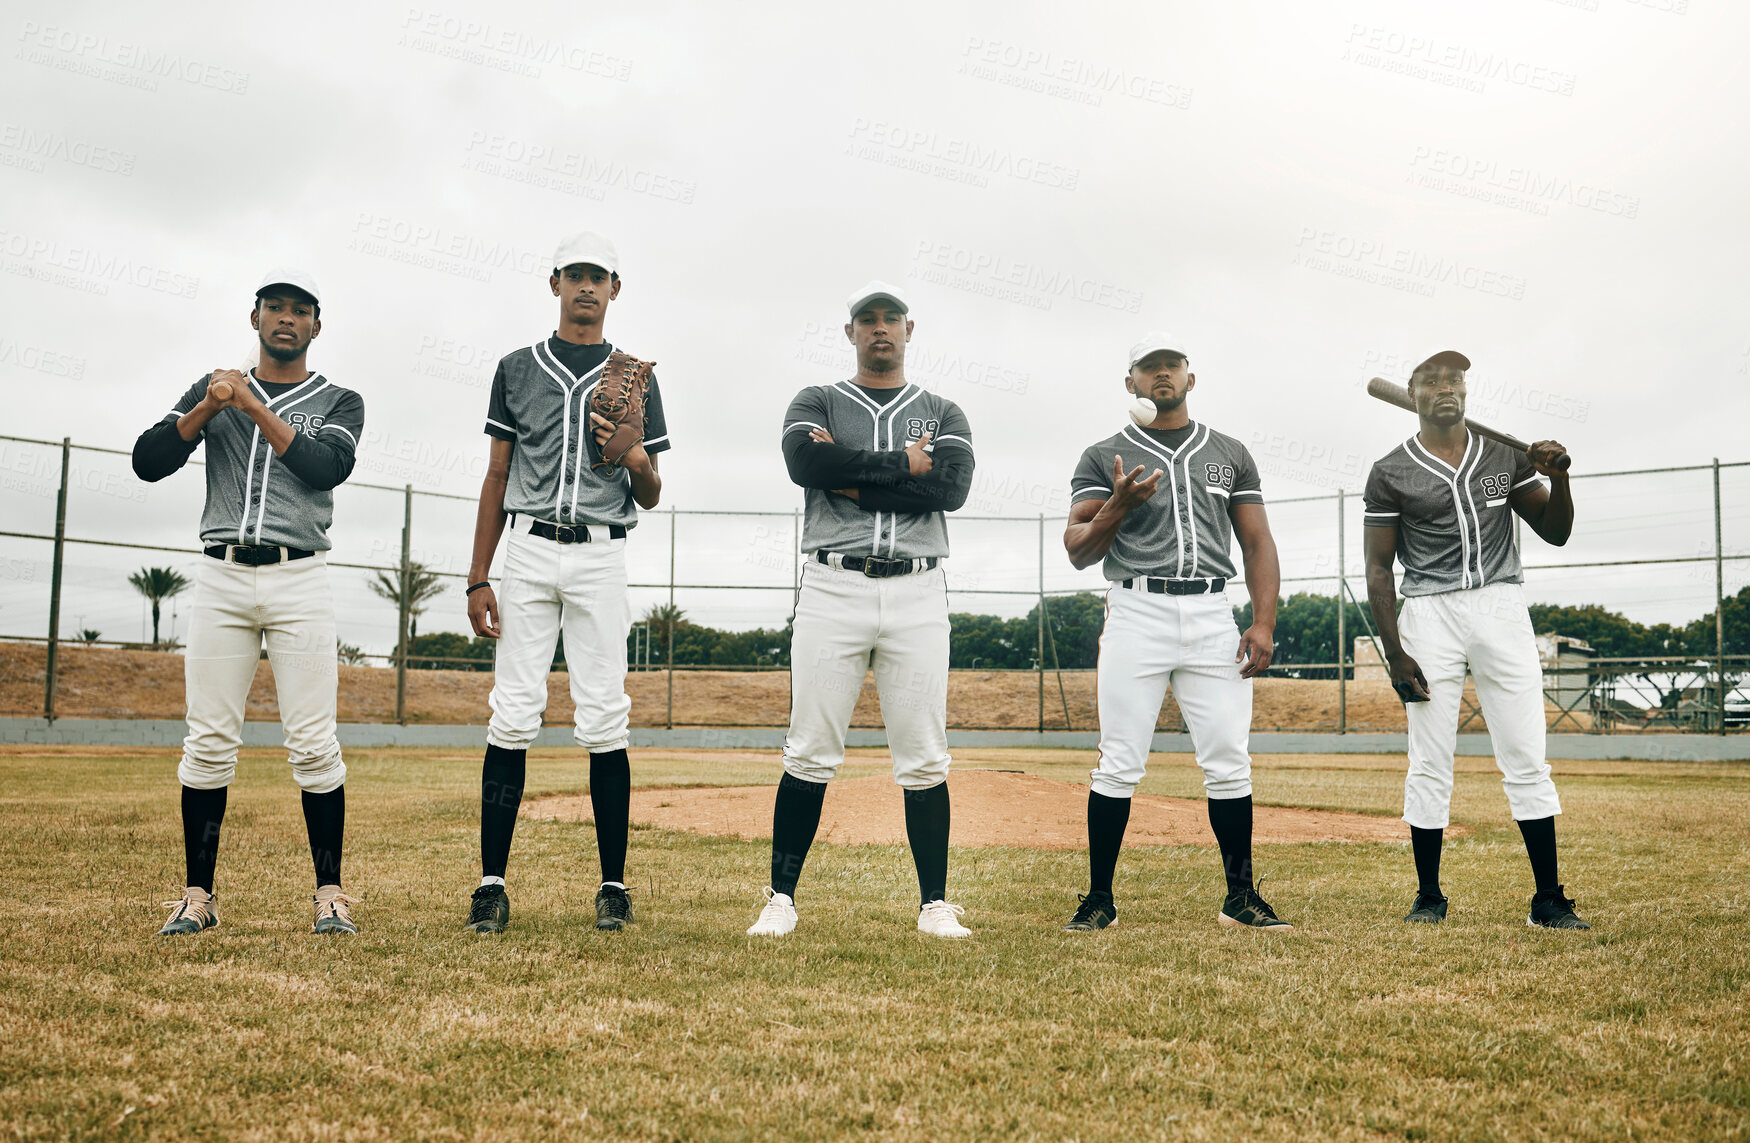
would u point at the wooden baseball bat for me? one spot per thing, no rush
(1394, 394)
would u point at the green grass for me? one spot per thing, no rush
(1356, 1026)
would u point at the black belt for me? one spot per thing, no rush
(1181, 586)
(877, 568)
(255, 555)
(571, 533)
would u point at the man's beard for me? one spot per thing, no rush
(1168, 404)
(281, 353)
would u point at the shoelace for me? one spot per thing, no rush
(186, 905)
(1088, 907)
(617, 904)
(944, 907)
(336, 906)
(774, 909)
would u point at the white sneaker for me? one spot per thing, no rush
(777, 918)
(940, 919)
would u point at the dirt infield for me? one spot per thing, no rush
(991, 808)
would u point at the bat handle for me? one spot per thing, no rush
(1562, 462)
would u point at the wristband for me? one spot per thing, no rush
(476, 587)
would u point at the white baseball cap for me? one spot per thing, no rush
(873, 291)
(587, 248)
(1156, 342)
(290, 276)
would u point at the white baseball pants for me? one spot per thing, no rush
(1489, 629)
(290, 607)
(846, 624)
(579, 589)
(1189, 641)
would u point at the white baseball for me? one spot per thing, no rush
(1143, 411)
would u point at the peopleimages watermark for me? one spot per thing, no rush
(1487, 393)
(510, 50)
(35, 470)
(459, 362)
(121, 61)
(556, 167)
(440, 250)
(1521, 188)
(55, 363)
(1046, 72)
(86, 269)
(951, 157)
(1386, 264)
(1009, 279)
(29, 149)
(1448, 64)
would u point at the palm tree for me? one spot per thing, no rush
(423, 586)
(662, 619)
(90, 635)
(157, 585)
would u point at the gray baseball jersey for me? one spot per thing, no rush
(254, 497)
(540, 402)
(1184, 530)
(856, 420)
(1455, 525)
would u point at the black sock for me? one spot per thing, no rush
(1426, 845)
(610, 799)
(795, 818)
(1540, 846)
(926, 827)
(501, 792)
(325, 819)
(1107, 818)
(203, 812)
(1231, 819)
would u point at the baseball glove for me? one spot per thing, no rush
(619, 397)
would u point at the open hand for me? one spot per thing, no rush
(1129, 489)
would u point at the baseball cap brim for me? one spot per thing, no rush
(301, 280)
(587, 248)
(1153, 343)
(1444, 357)
(874, 292)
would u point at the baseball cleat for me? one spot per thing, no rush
(333, 910)
(613, 908)
(940, 919)
(1427, 910)
(1551, 910)
(1096, 911)
(490, 912)
(777, 918)
(195, 910)
(1247, 910)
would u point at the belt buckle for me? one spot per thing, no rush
(564, 534)
(875, 567)
(244, 557)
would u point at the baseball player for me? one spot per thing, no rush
(1165, 539)
(1441, 504)
(279, 440)
(564, 571)
(880, 461)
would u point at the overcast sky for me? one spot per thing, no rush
(1307, 194)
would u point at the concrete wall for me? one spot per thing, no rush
(166, 734)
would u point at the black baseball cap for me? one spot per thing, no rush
(1444, 357)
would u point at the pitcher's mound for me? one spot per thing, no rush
(991, 807)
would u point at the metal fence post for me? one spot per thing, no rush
(1342, 630)
(55, 580)
(671, 614)
(1719, 599)
(406, 586)
(1041, 623)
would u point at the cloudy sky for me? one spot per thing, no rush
(1308, 194)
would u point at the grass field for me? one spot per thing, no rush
(1355, 1026)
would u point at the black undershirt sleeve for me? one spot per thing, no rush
(160, 451)
(322, 464)
(942, 489)
(816, 464)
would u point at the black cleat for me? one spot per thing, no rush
(1427, 910)
(1552, 910)
(1096, 911)
(613, 909)
(1247, 910)
(490, 912)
